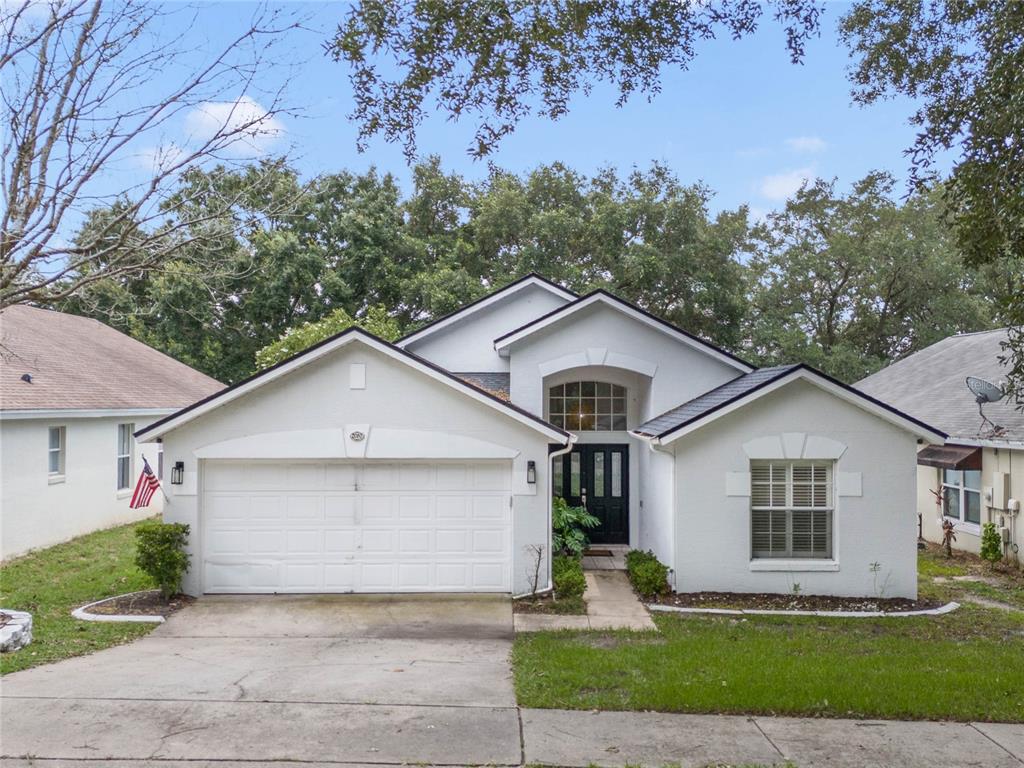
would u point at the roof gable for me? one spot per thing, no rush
(77, 363)
(746, 389)
(326, 347)
(600, 296)
(442, 323)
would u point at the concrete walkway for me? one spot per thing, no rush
(611, 604)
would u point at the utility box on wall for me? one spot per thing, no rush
(1000, 490)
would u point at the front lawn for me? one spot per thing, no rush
(963, 666)
(966, 665)
(51, 582)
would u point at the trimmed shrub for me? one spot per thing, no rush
(160, 554)
(567, 577)
(991, 543)
(648, 575)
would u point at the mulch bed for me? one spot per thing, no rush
(548, 604)
(776, 602)
(149, 603)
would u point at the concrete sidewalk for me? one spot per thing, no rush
(571, 738)
(611, 604)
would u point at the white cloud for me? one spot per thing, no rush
(259, 130)
(806, 145)
(780, 186)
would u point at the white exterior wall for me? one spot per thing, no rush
(468, 344)
(878, 525)
(680, 372)
(657, 502)
(35, 512)
(317, 396)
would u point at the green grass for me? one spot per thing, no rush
(964, 666)
(51, 582)
(931, 564)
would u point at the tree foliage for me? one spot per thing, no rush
(846, 281)
(963, 63)
(296, 339)
(88, 89)
(497, 61)
(850, 282)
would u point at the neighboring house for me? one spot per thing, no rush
(978, 476)
(72, 392)
(430, 464)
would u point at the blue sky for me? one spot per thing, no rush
(742, 119)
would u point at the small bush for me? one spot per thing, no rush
(160, 554)
(567, 577)
(568, 527)
(648, 575)
(991, 544)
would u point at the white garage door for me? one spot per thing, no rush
(356, 527)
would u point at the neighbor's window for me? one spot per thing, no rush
(124, 455)
(588, 406)
(791, 509)
(961, 495)
(57, 451)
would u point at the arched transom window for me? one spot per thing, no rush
(588, 406)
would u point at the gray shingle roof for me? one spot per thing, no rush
(79, 363)
(710, 401)
(495, 383)
(929, 385)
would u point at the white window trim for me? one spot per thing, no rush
(796, 563)
(59, 476)
(126, 490)
(960, 523)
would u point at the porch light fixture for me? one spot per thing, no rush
(531, 472)
(178, 473)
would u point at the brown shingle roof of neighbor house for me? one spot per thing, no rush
(930, 385)
(77, 363)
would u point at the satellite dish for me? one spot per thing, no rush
(985, 392)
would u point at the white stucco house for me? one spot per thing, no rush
(977, 477)
(72, 393)
(430, 464)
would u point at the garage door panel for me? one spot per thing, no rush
(340, 541)
(373, 527)
(415, 507)
(266, 508)
(304, 507)
(266, 542)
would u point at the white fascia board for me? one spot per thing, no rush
(503, 345)
(842, 393)
(976, 442)
(499, 295)
(84, 413)
(150, 433)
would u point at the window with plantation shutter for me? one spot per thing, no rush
(791, 509)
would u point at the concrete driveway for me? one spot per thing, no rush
(372, 679)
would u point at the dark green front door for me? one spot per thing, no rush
(596, 476)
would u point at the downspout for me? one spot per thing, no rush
(560, 452)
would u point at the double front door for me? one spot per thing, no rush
(596, 476)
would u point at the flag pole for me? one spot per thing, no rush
(160, 482)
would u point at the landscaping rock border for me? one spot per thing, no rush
(940, 611)
(84, 614)
(15, 630)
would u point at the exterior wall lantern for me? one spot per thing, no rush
(531, 472)
(178, 473)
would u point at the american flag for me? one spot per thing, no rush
(145, 488)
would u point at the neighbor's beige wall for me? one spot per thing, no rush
(993, 460)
